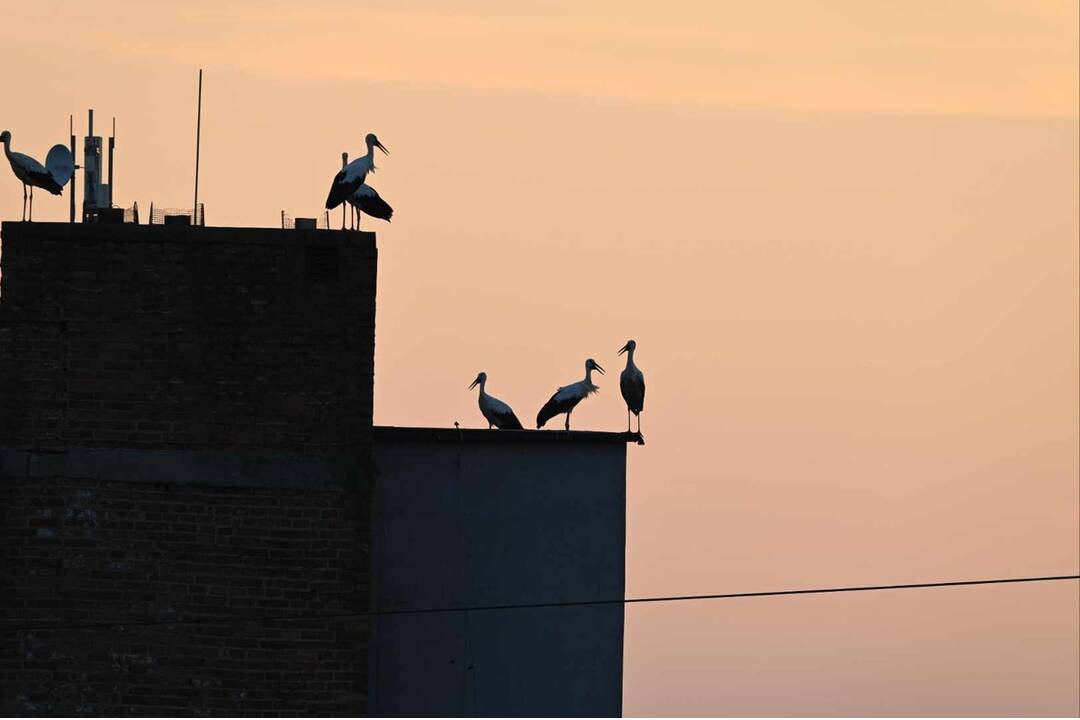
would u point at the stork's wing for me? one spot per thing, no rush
(26, 163)
(367, 201)
(562, 401)
(550, 410)
(45, 180)
(508, 420)
(342, 187)
(499, 414)
(633, 391)
(33, 173)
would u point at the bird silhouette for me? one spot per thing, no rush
(495, 411)
(351, 177)
(31, 173)
(632, 384)
(566, 398)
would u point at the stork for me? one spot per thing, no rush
(352, 175)
(367, 202)
(566, 398)
(30, 172)
(632, 384)
(495, 411)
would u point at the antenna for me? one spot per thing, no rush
(198, 137)
(93, 192)
(71, 193)
(112, 146)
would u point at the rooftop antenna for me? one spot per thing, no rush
(198, 136)
(71, 193)
(112, 147)
(93, 191)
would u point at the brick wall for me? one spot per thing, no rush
(185, 435)
(85, 551)
(136, 336)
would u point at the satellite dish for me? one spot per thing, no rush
(60, 164)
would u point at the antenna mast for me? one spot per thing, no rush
(71, 191)
(198, 136)
(112, 146)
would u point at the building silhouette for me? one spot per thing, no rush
(199, 516)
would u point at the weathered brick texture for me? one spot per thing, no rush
(86, 552)
(223, 357)
(135, 336)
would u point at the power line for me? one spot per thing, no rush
(538, 605)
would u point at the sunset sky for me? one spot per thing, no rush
(843, 234)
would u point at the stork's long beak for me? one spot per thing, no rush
(622, 349)
(381, 147)
(474, 383)
(599, 368)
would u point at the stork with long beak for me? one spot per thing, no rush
(31, 173)
(566, 398)
(632, 384)
(495, 411)
(352, 175)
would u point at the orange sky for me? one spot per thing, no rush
(844, 235)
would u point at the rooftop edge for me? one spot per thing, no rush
(195, 234)
(392, 433)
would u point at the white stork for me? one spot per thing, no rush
(566, 398)
(30, 172)
(367, 202)
(495, 411)
(352, 175)
(632, 384)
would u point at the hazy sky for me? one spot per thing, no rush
(844, 235)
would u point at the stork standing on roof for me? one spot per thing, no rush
(352, 175)
(566, 398)
(632, 384)
(494, 410)
(31, 173)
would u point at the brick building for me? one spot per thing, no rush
(189, 481)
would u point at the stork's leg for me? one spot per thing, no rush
(343, 215)
(639, 423)
(31, 203)
(568, 420)
(24, 202)
(627, 419)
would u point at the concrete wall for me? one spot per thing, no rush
(479, 518)
(185, 457)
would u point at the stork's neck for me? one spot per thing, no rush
(7, 147)
(371, 155)
(630, 359)
(482, 384)
(588, 376)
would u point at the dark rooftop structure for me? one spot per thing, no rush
(198, 515)
(498, 519)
